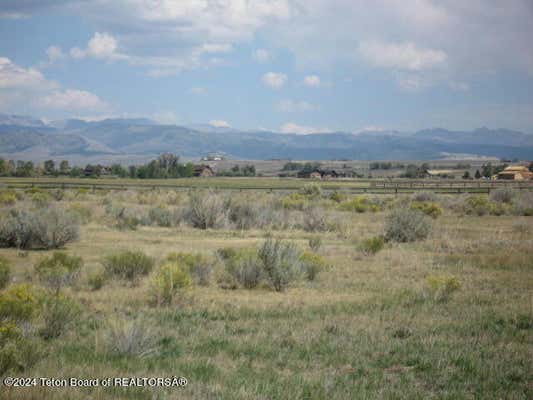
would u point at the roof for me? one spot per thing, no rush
(441, 171)
(516, 168)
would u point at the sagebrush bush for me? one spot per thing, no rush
(5, 273)
(58, 270)
(167, 281)
(523, 203)
(49, 228)
(315, 243)
(96, 280)
(337, 197)
(7, 198)
(244, 214)
(123, 218)
(280, 262)
(477, 205)
(128, 265)
(58, 313)
(440, 288)
(81, 211)
(41, 199)
(424, 197)
(312, 264)
(242, 268)
(359, 204)
(133, 338)
(294, 201)
(431, 209)
(199, 266)
(315, 220)
(18, 303)
(17, 352)
(207, 209)
(406, 225)
(311, 190)
(502, 195)
(372, 245)
(161, 216)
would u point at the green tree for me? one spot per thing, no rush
(64, 167)
(478, 174)
(49, 167)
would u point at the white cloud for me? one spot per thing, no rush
(14, 76)
(274, 80)
(218, 123)
(261, 55)
(291, 127)
(166, 117)
(198, 91)
(292, 106)
(72, 100)
(54, 54)
(29, 89)
(459, 86)
(403, 56)
(101, 46)
(312, 81)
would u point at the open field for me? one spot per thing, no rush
(448, 315)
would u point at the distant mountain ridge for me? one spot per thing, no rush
(29, 138)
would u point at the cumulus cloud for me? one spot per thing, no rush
(404, 56)
(274, 80)
(219, 123)
(102, 46)
(292, 106)
(261, 55)
(312, 81)
(28, 88)
(72, 100)
(54, 53)
(291, 127)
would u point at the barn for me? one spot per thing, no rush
(203, 171)
(515, 173)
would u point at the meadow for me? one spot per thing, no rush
(303, 293)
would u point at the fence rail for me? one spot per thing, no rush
(353, 186)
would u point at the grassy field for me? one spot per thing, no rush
(369, 326)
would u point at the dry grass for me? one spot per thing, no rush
(363, 329)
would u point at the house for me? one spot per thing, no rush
(321, 174)
(213, 157)
(440, 173)
(203, 171)
(516, 173)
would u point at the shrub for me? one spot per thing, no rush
(7, 198)
(406, 225)
(5, 273)
(372, 245)
(242, 268)
(424, 197)
(58, 270)
(18, 303)
(244, 214)
(280, 262)
(360, 204)
(199, 266)
(129, 338)
(96, 280)
(478, 205)
(83, 213)
(502, 195)
(41, 199)
(47, 229)
(128, 265)
(432, 210)
(167, 281)
(58, 313)
(161, 216)
(17, 353)
(124, 218)
(206, 210)
(312, 264)
(337, 197)
(311, 190)
(294, 201)
(315, 243)
(315, 220)
(440, 288)
(523, 204)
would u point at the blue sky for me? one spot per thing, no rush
(286, 65)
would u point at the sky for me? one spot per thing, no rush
(293, 66)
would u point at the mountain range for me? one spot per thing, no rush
(128, 140)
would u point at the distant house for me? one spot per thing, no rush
(203, 171)
(213, 157)
(321, 174)
(516, 173)
(440, 173)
